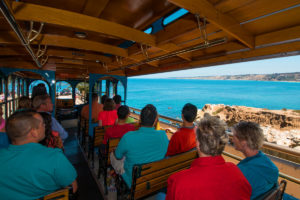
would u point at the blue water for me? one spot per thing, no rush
(169, 95)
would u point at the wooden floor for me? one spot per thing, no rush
(88, 188)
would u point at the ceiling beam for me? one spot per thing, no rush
(33, 12)
(223, 21)
(67, 42)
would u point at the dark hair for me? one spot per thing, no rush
(48, 128)
(109, 105)
(189, 112)
(123, 111)
(148, 115)
(94, 96)
(20, 123)
(38, 90)
(117, 99)
(103, 98)
(24, 103)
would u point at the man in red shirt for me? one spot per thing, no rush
(209, 177)
(118, 130)
(185, 138)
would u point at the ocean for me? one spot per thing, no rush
(170, 95)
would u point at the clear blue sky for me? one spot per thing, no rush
(268, 66)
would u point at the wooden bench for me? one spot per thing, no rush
(150, 178)
(62, 194)
(276, 193)
(64, 103)
(96, 141)
(104, 158)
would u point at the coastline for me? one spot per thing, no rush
(281, 127)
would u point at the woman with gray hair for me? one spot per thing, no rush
(209, 177)
(259, 170)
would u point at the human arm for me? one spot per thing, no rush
(56, 126)
(122, 149)
(75, 186)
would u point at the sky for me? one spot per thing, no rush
(267, 66)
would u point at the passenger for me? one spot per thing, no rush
(24, 104)
(260, 171)
(38, 90)
(144, 145)
(2, 121)
(96, 108)
(4, 141)
(185, 138)
(117, 100)
(43, 103)
(118, 130)
(28, 169)
(209, 177)
(108, 116)
(52, 138)
(103, 98)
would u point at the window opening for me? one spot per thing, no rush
(148, 30)
(174, 16)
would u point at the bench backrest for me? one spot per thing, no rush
(110, 147)
(64, 103)
(98, 136)
(276, 193)
(62, 194)
(151, 177)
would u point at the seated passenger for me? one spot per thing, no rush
(184, 139)
(103, 98)
(2, 121)
(96, 108)
(108, 116)
(38, 90)
(117, 100)
(43, 103)
(260, 171)
(209, 177)
(28, 169)
(118, 130)
(52, 138)
(144, 145)
(24, 104)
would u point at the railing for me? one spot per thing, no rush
(282, 175)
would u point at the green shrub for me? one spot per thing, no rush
(297, 111)
(284, 109)
(218, 111)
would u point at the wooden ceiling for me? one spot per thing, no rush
(254, 29)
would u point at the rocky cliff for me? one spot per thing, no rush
(280, 127)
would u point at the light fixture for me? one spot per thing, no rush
(81, 35)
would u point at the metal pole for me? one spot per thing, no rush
(13, 24)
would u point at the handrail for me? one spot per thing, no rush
(282, 175)
(13, 24)
(177, 121)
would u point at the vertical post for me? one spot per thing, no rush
(5, 96)
(13, 93)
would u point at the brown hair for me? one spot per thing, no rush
(19, 124)
(251, 133)
(109, 105)
(24, 103)
(211, 135)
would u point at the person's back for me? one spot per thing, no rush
(261, 173)
(96, 109)
(184, 138)
(30, 170)
(119, 129)
(109, 115)
(142, 146)
(209, 177)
